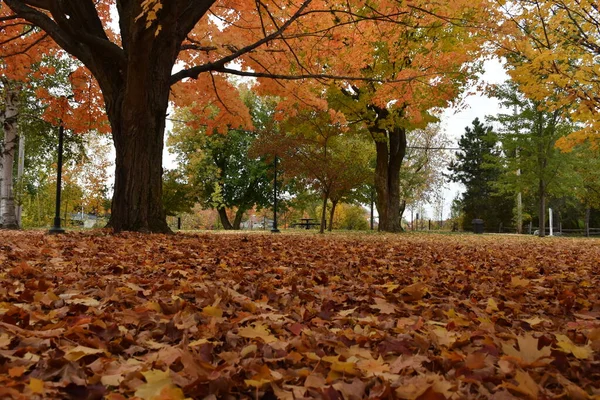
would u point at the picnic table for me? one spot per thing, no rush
(306, 223)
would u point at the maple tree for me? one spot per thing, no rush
(91, 315)
(317, 152)
(433, 54)
(551, 48)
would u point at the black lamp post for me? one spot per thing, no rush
(275, 230)
(56, 228)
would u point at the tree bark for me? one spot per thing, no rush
(324, 214)
(9, 216)
(332, 214)
(401, 212)
(224, 219)
(137, 107)
(237, 221)
(389, 156)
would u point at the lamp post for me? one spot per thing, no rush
(56, 228)
(275, 230)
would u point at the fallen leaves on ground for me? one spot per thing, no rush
(92, 315)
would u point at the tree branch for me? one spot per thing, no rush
(215, 66)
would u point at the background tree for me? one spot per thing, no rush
(421, 174)
(430, 61)
(220, 169)
(552, 50)
(529, 136)
(474, 168)
(315, 150)
(178, 193)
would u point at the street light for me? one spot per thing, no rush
(275, 230)
(56, 228)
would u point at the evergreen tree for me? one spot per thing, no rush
(475, 169)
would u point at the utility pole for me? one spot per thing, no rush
(56, 228)
(20, 167)
(519, 195)
(275, 229)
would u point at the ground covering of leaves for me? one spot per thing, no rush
(93, 315)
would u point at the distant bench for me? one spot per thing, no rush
(306, 223)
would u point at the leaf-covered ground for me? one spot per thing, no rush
(91, 315)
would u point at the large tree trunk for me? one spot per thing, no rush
(137, 112)
(9, 216)
(390, 154)
(224, 219)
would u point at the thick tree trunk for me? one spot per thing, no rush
(332, 214)
(224, 219)
(9, 216)
(390, 154)
(137, 112)
(542, 210)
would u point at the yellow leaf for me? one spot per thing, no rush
(528, 352)
(257, 384)
(414, 292)
(345, 313)
(158, 386)
(491, 306)
(248, 350)
(390, 287)
(341, 366)
(212, 311)
(535, 321)
(78, 352)
(36, 386)
(5, 340)
(516, 282)
(257, 331)
(111, 380)
(567, 346)
(525, 385)
(373, 367)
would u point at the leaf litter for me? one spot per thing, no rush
(91, 315)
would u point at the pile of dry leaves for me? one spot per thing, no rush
(92, 315)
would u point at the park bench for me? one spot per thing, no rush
(306, 223)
